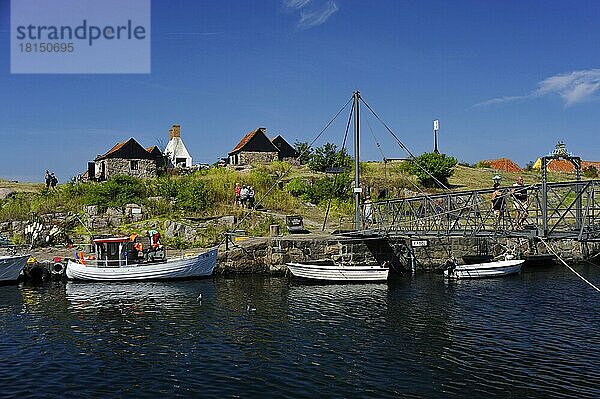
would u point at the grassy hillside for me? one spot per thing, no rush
(280, 190)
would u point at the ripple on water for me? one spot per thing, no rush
(533, 335)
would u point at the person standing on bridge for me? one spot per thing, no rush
(367, 212)
(520, 202)
(498, 201)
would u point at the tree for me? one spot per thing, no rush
(529, 166)
(429, 167)
(590, 172)
(304, 152)
(328, 156)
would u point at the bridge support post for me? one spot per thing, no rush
(544, 201)
(576, 161)
(413, 259)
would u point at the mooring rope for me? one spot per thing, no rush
(570, 268)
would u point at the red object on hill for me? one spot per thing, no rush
(503, 164)
(561, 165)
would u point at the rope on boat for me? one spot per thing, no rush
(570, 268)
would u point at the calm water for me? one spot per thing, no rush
(533, 335)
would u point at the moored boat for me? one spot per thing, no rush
(11, 267)
(339, 273)
(117, 259)
(484, 270)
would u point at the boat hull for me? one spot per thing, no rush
(485, 270)
(11, 267)
(338, 273)
(201, 265)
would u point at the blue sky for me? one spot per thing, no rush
(505, 78)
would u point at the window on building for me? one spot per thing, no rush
(133, 164)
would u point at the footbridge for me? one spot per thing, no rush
(566, 210)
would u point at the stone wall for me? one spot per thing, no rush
(269, 255)
(248, 157)
(120, 166)
(42, 230)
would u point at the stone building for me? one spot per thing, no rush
(158, 156)
(286, 151)
(255, 147)
(126, 158)
(176, 151)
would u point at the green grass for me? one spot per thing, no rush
(210, 193)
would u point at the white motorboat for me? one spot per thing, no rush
(484, 270)
(11, 267)
(116, 260)
(338, 273)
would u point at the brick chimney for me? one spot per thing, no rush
(175, 131)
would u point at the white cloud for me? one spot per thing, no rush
(317, 17)
(500, 100)
(311, 13)
(295, 4)
(573, 87)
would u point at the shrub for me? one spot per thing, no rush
(304, 152)
(590, 172)
(117, 191)
(429, 167)
(192, 196)
(329, 187)
(328, 156)
(529, 166)
(297, 186)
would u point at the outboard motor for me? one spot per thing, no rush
(450, 265)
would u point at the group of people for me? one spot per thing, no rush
(244, 196)
(520, 201)
(50, 179)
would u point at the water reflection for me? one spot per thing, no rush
(526, 336)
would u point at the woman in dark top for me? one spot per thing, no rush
(497, 200)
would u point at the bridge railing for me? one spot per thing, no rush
(570, 209)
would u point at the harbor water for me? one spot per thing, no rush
(531, 335)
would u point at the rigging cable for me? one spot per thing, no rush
(341, 153)
(570, 268)
(404, 147)
(286, 172)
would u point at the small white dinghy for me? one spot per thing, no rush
(11, 267)
(321, 271)
(114, 263)
(484, 270)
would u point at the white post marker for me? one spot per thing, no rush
(436, 127)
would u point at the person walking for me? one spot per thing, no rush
(53, 180)
(48, 179)
(244, 196)
(237, 194)
(251, 195)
